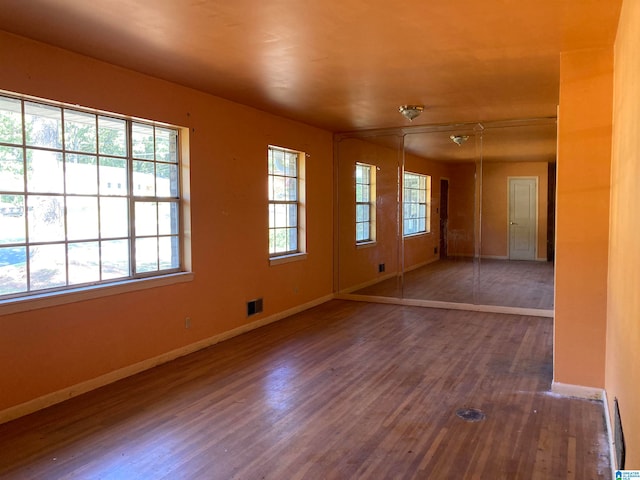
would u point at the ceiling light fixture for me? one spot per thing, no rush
(459, 139)
(410, 111)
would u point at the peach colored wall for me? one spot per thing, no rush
(418, 249)
(462, 205)
(45, 350)
(584, 157)
(495, 215)
(623, 303)
(358, 265)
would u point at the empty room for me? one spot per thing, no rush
(320, 240)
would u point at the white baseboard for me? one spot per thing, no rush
(610, 439)
(50, 399)
(577, 391)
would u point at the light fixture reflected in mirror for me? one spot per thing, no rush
(410, 111)
(459, 139)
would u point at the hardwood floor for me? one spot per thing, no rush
(495, 282)
(345, 390)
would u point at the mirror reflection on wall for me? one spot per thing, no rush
(460, 214)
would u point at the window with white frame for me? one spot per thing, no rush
(365, 203)
(85, 198)
(417, 204)
(286, 201)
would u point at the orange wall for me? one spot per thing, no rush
(418, 249)
(623, 304)
(462, 206)
(358, 265)
(45, 350)
(495, 215)
(584, 157)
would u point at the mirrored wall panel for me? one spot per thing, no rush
(455, 213)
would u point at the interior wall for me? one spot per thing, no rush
(462, 205)
(419, 249)
(582, 216)
(359, 264)
(623, 306)
(495, 214)
(45, 350)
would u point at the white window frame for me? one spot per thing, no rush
(295, 205)
(368, 187)
(415, 201)
(73, 290)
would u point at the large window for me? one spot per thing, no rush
(365, 204)
(286, 201)
(85, 198)
(417, 200)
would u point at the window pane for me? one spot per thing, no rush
(112, 136)
(146, 218)
(10, 120)
(360, 232)
(279, 190)
(281, 215)
(146, 255)
(12, 226)
(82, 218)
(291, 164)
(11, 169)
(45, 172)
(293, 239)
(166, 145)
(168, 218)
(143, 179)
(79, 131)
(45, 217)
(43, 125)
(113, 176)
(169, 251)
(13, 270)
(142, 141)
(292, 190)
(81, 173)
(362, 213)
(115, 259)
(48, 266)
(166, 180)
(276, 163)
(84, 262)
(114, 217)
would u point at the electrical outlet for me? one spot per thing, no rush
(381, 267)
(187, 322)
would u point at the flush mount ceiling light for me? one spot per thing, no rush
(410, 111)
(459, 139)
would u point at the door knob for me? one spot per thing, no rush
(512, 223)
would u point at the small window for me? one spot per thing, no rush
(417, 204)
(62, 224)
(365, 203)
(286, 201)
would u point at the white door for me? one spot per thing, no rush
(522, 218)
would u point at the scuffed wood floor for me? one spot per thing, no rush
(343, 391)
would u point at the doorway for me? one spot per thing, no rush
(523, 217)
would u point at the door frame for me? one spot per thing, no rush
(537, 213)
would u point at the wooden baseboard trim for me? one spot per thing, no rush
(577, 391)
(368, 283)
(530, 312)
(50, 399)
(610, 439)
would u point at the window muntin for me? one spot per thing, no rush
(365, 206)
(85, 198)
(416, 204)
(285, 168)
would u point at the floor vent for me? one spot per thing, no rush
(618, 435)
(471, 414)
(254, 306)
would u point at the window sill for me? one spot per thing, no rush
(417, 234)
(44, 300)
(365, 244)
(294, 257)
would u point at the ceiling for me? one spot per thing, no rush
(342, 65)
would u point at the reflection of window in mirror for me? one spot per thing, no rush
(417, 204)
(365, 203)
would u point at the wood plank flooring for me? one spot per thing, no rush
(342, 391)
(495, 282)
